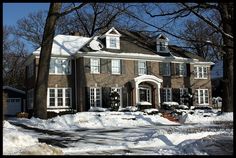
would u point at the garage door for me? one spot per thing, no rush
(13, 106)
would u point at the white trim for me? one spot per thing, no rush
(99, 65)
(139, 56)
(68, 60)
(147, 78)
(204, 96)
(95, 96)
(196, 74)
(119, 61)
(55, 98)
(165, 91)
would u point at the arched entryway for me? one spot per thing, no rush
(147, 89)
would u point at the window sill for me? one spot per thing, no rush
(59, 74)
(201, 78)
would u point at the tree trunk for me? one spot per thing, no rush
(40, 101)
(226, 11)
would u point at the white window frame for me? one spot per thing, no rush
(161, 46)
(200, 73)
(166, 97)
(166, 69)
(95, 65)
(149, 93)
(181, 92)
(93, 98)
(30, 98)
(116, 66)
(198, 96)
(182, 69)
(142, 70)
(56, 98)
(66, 69)
(119, 90)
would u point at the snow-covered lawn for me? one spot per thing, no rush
(125, 133)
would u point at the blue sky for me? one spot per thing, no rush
(15, 11)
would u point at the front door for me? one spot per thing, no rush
(145, 94)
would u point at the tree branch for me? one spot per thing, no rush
(71, 10)
(208, 22)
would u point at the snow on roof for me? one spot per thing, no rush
(217, 70)
(66, 45)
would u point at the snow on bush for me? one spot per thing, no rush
(202, 117)
(98, 109)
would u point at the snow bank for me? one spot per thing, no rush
(200, 117)
(17, 143)
(97, 120)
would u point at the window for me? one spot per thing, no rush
(167, 94)
(145, 94)
(182, 69)
(59, 97)
(119, 91)
(113, 42)
(202, 96)
(30, 98)
(60, 66)
(95, 65)
(115, 66)
(162, 46)
(182, 92)
(30, 70)
(200, 72)
(142, 68)
(165, 69)
(95, 97)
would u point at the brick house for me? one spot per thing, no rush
(84, 71)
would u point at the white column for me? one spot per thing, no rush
(136, 90)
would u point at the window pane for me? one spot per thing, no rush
(142, 67)
(52, 102)
(115, 66)
(95, 65)
(112, 42)
(52, 65)
(59, 101)
(59, 93)
(52, 92)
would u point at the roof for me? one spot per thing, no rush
(13, 89)
(66, 45)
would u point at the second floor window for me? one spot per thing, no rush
(115, 66)
(200, 72)
(142, 68)
(95, 65)
(165, 69)
(60, 66)
(182, 69)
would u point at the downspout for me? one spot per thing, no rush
(76, 92)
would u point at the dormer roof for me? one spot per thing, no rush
(162, 36)
(112, 32)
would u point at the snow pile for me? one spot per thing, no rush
(18, 143)
(200, 117)
(97, 120)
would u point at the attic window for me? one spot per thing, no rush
(162, 46)
(113, 42)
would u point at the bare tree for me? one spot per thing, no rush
(224, 28)
(40, 103)
(14, 56)
(200, 31)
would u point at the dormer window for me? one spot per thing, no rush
(113, 42)
(162, 43)
(162, 46)
(112, 38)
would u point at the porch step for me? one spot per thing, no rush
(169, 117)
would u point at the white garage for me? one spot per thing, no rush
(13, 106)
(14, 101)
